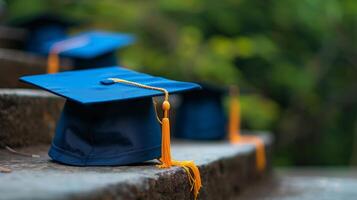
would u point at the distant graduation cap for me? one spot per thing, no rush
(109, 118)
(42, 29)
(201, 115)
(91, 49)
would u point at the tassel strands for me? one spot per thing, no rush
(194, 178)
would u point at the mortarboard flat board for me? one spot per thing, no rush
(92, 49)
(102, 122)
(43, 28)
(201, 115)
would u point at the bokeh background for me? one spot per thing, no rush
(294, 61)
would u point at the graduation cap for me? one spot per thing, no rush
(90, 49)
(201, 115)
(109, 118)
(42, 29)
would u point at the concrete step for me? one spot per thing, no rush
(225, 170)
(27, 117)
(16, 63)
(11, 37)
(323, 183)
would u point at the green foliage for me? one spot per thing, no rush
(299, 56)
(258, 112)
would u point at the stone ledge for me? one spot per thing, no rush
(27, 117)
(308, 183)
(16, 63)
(225, 171)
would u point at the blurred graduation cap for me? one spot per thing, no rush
(104, 123)
(91, 49)
(201, 114)
(43, 28)
(109, 118)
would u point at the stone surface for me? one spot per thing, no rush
(307, 184)
(12, 38)
(27, 117)
(15, 63)
(225, 171)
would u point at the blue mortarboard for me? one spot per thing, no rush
(93, 48)
(201, 115)
(43, 28)
(104, 122)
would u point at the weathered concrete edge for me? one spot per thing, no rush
(17, 63)
(222, 178)
(27, 116)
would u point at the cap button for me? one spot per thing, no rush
(107, 82)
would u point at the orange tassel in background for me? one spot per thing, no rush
(234, 135)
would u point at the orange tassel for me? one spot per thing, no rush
(234, 135)
(260, 149)
(190, 168)
(193, 174)
(53, 63)
(234, 121)
(165, 146)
